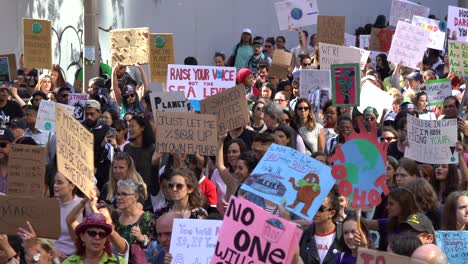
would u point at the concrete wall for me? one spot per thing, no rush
(200, 27)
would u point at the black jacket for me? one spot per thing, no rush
(308, 247)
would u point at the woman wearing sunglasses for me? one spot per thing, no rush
(128, 95)
(306, 125)
(92, 244)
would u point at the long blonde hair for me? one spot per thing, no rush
(41, 82)
(132, 175)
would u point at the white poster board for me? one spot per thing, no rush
(403, 10)
(334, 54)
(46, 115)
(436, 30)
(373, 96)
(408, 45)
(457, 23)
(315, 86)
(364, 41)
(293, 14)
(78, 101)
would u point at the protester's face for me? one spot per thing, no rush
(4, 93)
(92, 241)
(288, 89)
(120, 169)
(246, 37)
(257, 49)
(388, 136)
(17, 131)
(259, 148)
(218, 60)
(378, 61)
(322, 159)
(349, 232)
(263, 73)
(325, 213)
(125, 197)
(233, 154)
(393, 208)
(249, 80)
(45, 257)
(30, 117)
(345, 128)
(331, 116)
(135, 129)
(280, 43)
(178, 188)
(281, 100)
(281, 138)
(62, 186)
(422, 102)
(286, 120)
(313, 40)
(258, 111)
(107, 118)
(242, 171)
(343, 202)
(164, 233)
(370, 120)
(54, 75)
(402, 177)
(414, 83)
(63, 97)
(91, 114)
(270, 121)
(120, 134)
(450, 108)
(266, 92)
(441, 172)
(131, 98)
(165, 189)
(296, 91)
(390, 172)
(462, 210)
(36, 101)
(268, 46)
(120, 71)
(306, 62)
(303, 110)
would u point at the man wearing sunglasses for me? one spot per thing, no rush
(319, 242)
(6, 138)
(61, 94)
(8, 109)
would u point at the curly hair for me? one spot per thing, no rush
(196, 198)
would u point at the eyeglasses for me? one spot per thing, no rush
(306, 64)
(178, 186)
(123, 194)
(279, 100)
(259, 109)
(388, 138)
(129, 95)
(300, 108)
(3, 144)
(324, 209)
(93, 233)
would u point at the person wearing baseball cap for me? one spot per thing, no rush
(17, 126)
(420, 225)
(242, 51)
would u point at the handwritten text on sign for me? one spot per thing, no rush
(438, 90)
(194, 239)
(37, 43)
(405, 10)
(334, 54)
(432, 141)
(186, 133)
(75, 156)
(454, 244)
(200, 82)
(408, 45)
(369, 256)
(458, 57)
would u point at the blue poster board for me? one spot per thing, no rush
(454, 244)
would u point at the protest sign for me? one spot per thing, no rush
(284, 174)
(458, 57)
(403, 10)
(370, 256)
(129, 46)
(42, 213)
(75, 155)
(26, 170)
(346, 82)
(349, 40)
(37, 43)
(186, 133)
(364, 41)
(280, 63)
(168, 102)
(408, 45)
(8, 72)
(334, 54)
(161, 54)
(194, 240)
(230, 107)
(457, 23)
(432, 141)
(435, 27)
(200, 82)
(438, 90)
(454, 244)
(46, 115)
(78, 101)
(373, 96)
(293, 14)
(253, 235)
(381, 39)
(315, 86)
(364, 56)
(331, 29)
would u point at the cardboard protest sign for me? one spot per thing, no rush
(408, 45)
(458, 57)
(194, 240)
(168, 102)
(129, 46)
(331, 29)
(457, 23)
(349, 40)
(78, 101)
(26, 170)
(200, 82)
(334, 54)
(435, 27)
(186, 133)
(370, 256)
(373, 96)
(46, 115)
(161, 54)
(381, 39)
(37, 43)
(364, 56)
(75, 154)
(42, 213)
(293, 14)
(403, 10)
(280, 63)
(454, 245)
(230, 107)
(284, 174)
(364, 41)
(315, 86)
(359, 166)
(8, 72)
(432, 141)
(438, 90)
(346, 82)
(254, 235)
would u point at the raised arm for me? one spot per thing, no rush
(14, 94)
(228, 178)
(144, 79)
(116, 94)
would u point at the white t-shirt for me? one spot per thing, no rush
(324, 243)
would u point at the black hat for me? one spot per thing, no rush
(17, 123)
(419, 222)
(6, 134)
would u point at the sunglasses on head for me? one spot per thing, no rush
(178, 186)
(93, 233)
